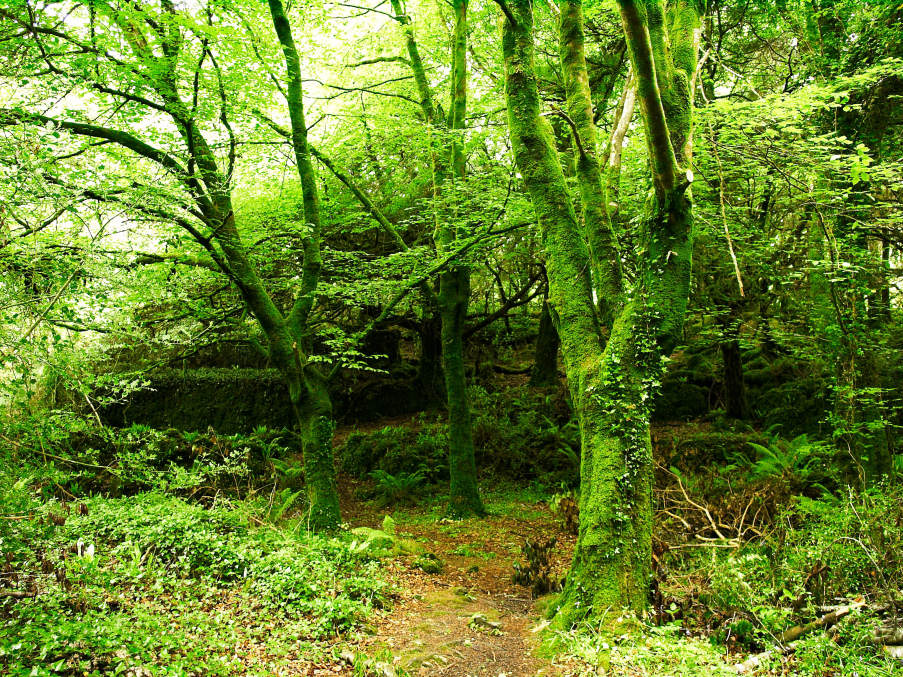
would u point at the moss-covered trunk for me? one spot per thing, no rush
(735, 402)
(290, 340)
(429, 368)
(313, 408)
(612, 384)
(605, 259)
(454, 284)
(464, 496)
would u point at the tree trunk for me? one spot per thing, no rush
(545, 363)
(611, 387)
(454, 288)
(612, 564)
(313, 409)
(605, 257)
(735, 403)
(429, 370)
(290, 337)
(464, 497)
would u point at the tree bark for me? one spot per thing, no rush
(307, 386)
(604, 254)
(545, 362)
(735, 402)
(454, 284)
(454, 298)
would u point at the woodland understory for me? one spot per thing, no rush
(451, 337)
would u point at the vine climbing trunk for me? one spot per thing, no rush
(612, 384)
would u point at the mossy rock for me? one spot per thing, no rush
(428, 563)
(378, 543)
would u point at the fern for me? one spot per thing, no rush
(796, 460)
(400, 488)
(287, 499)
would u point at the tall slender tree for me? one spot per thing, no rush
(449, 168)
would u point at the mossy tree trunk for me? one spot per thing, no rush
(612, 383)
(735, 402)
(211, 220)
(605, 258)
(307, 386)
(454, 297)
(454, 283)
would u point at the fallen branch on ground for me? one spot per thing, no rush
(792, 634)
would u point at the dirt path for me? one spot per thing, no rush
(432, 628)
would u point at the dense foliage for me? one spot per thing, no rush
(619, 278)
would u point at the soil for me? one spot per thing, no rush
(430, 628)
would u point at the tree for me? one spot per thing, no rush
(612, 383)
(161, 63)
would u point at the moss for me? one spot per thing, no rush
(464, 495)
(228, 400)
(319, 473)
(605, 257)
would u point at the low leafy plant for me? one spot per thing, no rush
(800, 462)
(400, 489)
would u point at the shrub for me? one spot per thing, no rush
(186, 538)
(397, 489)
(395, 450)
(74, 456)
(847, 546)
(518, 434)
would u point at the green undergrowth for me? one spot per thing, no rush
(520, 435)
(716, 603)
(155, 583)
(77, 456)
(665, 651)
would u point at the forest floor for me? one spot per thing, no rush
(470, 619)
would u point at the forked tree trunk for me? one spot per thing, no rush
(612, 384)
(289, 339)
